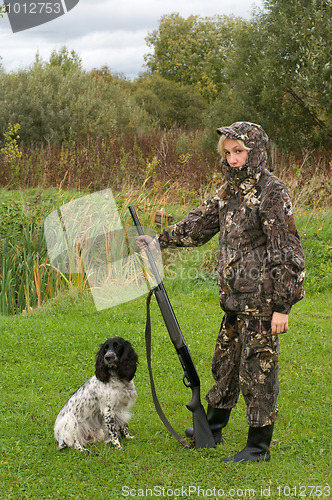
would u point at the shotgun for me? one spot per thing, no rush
(202, 432)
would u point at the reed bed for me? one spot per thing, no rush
(27, 278)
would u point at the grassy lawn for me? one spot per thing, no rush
(47, 354)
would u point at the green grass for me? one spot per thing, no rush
(46, 355)
(315, 229)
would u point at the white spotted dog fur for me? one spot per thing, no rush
(99, 409)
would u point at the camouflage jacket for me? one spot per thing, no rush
(261, 261)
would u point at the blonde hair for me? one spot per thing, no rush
(220, 146)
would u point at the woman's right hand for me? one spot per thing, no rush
(145, 241)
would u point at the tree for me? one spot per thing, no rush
(170, 103)
(279, 73)
(192, 51)
(65, 60)
(299, 48)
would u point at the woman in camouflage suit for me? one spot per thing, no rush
(260, 277)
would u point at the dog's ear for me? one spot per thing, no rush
(128, 363)
(101, 371)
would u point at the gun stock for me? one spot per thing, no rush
(202, 432)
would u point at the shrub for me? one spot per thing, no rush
(54, 103)
(169, 103)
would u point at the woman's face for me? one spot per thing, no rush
(235, 154)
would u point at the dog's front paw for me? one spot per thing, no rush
(77, 446)
(125, 433)
(62, 445)
(114, 443)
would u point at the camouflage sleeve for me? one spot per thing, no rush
(198, 227)
(284, 250)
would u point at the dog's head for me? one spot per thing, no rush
(116, 356)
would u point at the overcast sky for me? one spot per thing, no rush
(106, 32)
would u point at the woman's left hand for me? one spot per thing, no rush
(279, 323)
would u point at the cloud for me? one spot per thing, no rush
(123, 51)
(105, 32)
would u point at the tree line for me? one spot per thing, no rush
(274, 69)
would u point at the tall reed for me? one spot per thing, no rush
(27, 278)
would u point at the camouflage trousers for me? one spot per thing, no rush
(246, 360)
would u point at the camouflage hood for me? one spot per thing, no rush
(255, 138)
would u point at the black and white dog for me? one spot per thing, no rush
(99, 409)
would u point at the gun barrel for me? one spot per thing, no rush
(140, 231)
(169, 317)
(160, 293)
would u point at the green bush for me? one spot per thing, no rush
(169, 103)
(61, 102)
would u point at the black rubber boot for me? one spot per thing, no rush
(218, 419)
(257, 448)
